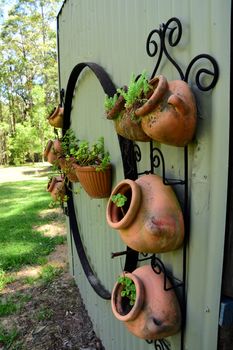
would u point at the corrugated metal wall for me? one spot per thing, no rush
(113, 34)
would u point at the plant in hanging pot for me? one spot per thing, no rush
(53, 151)
(67, 162)
(56, 117)
(93, 169)
(169, 115)
(56, 187)
(151, 220)
(163, 111)
(146, 308)
(121, 108)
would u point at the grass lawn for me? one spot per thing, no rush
(20, 243)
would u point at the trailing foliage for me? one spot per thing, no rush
(129, 289)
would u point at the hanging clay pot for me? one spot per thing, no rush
(156, 312)
(68, 167)
(151, 219)
(126, 123)
(56, 187)
(56, 117)
(169, 116)
(97, 184)
(52, 151)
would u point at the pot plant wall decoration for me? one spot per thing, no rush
(67, 162)
(150, 220)
(146, 308)
(53, 151)
(56, 187)
(155, 109)
(121, 108)
(93, 169)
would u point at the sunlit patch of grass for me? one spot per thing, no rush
(20, 243)
(47, 274)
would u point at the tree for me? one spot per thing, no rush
(28, 75)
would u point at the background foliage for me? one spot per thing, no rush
(28, 78)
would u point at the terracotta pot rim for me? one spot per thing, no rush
(136, 308)
(48, 148)
(80, 168)
(160, 90)
(57, 111)
(123, 186)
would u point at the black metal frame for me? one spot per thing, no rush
(169, 33)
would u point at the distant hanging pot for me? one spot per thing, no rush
(151, 219)
(169, 116)
(155, 313)
(68, 167)
(52, 151)
(56, 117)
(56, 187)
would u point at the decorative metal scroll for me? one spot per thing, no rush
(169, 35)
(160, 344)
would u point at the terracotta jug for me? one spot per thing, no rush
(56, 187)
(169, 116)
(56, 117)
(156, 312)
(151, 220)
(52, 151)
(126, 123)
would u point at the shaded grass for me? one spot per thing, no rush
(20, 244)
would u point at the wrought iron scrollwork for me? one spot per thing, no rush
(170, 33)
(160, 344)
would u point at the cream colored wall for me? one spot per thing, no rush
(113, 34)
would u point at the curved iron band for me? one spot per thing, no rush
(129, 165)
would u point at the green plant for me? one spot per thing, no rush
(119, 200)
(109, 102)
(129, 289)
(69, 144)
(137, 90)
(93, 155)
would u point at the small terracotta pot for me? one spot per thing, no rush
(97, 184)
(169, 116)
(68, 167)
(56, 117)
(156, 313)
(52, 151)
(56, 187)
(126, 123)
(151, 220)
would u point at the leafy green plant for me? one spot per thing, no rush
(93, 155)
(129, 289)
(69, 144)
(137, 90)
(119, 200)
(109, 102)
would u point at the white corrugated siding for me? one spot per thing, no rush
(113, 34)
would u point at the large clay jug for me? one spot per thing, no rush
(169, 116)
(156, 312)
(151, 220)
